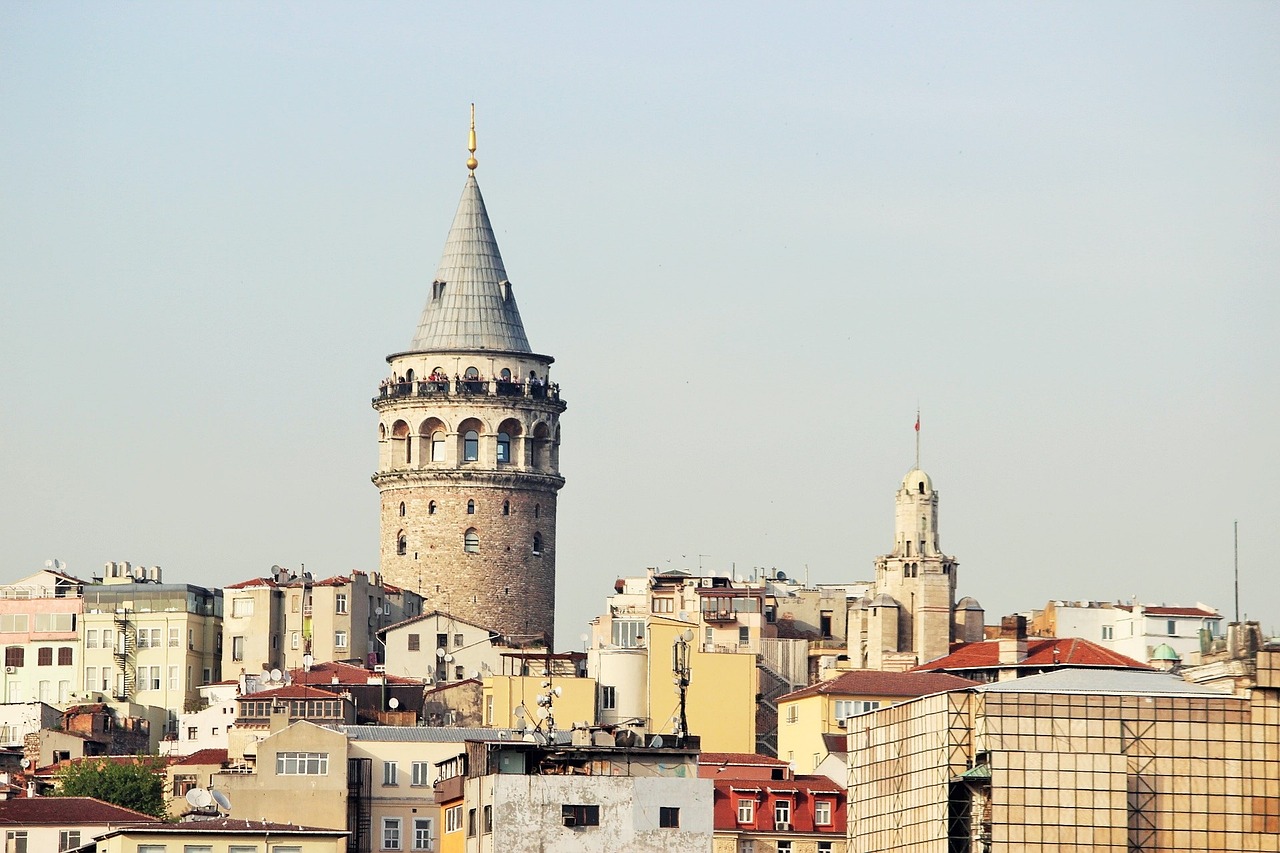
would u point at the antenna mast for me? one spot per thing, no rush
(1235, 530)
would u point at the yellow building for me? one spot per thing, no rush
(805, 715)
(221, 834)
(515, 698)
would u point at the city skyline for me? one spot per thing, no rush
(755, 244)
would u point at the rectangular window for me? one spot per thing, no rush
(458, 640)
(90, 678)
(197, 848)
(744, 636)
(44, 656)
(302, 764)
(668, 817)
(580, 815)
(453, 819)
(825, 846)
(173, 678)
(746, 811)
(340, 602)
(295, 603)
(782, 811)
(784, 847)
(44, 691)
(390, 772)
(664, 605)
(746, 846)
(91, 639)
(154, 680)
(822, 812)
(13, 623)
(421, 773)
(242, 607)
(50, 622)
(793, 713)
(108, 638)
(1173, 627)
(237, 648)
(442, 641)
(64, 656)
(246, 848)
(206, 675)
(471, 823)
(628, 633)
(191, 639)
(391, 833)
(68, 838)
(488, 819)
(608, 698)
(340, 639)
(294, 640)
(1108, 632)
(422, 833)
(175, 638)
(415, 642)
(14, 656)
(151, 848)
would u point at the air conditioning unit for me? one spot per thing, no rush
(843, 723)
(782, 826)
(379, 667)
(11, 669)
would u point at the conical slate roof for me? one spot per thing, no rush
(469, 306)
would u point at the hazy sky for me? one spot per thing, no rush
(754, 237)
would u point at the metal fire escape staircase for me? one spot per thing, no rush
(125, 656)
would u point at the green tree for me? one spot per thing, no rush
(137, 785)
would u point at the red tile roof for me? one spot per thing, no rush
(64, 811)
(809, 784)
(868, 682)
(347, 674)
(731, 758)
(293, 691)
(204, 756)
(252, 582)
(1070, 652)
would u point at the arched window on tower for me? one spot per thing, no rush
(920, 486)
(536, 508)
(471, 541)
(908, 549)
(506, 507)
(402, 509)
(431, 508)
(437, 446)
(471, 446)
(471, 507)
(402, 543)
(537, 544)
(504, 448)
(505, 375)
(471, 374)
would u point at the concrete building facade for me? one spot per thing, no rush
(468, 446)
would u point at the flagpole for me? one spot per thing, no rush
(917, 439)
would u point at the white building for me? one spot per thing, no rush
(1133, 629)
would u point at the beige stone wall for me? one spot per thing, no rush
(504, 585)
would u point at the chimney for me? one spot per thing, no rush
(1013, 639)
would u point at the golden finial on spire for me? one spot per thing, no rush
(471, 141)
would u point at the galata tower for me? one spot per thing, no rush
(468, 445)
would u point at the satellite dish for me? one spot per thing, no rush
(394, 703)
(440, 653)
(448, 658)
(558, 691)
(520, 712)
(25, 763)
(782, 576)
(48, 564)
(475, 673)
(198, 798)
(276, 675)
(542, 713)
(223, 801)
(657, 742)
(307, 660)
(687, 636)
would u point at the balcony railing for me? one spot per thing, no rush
(468, 388)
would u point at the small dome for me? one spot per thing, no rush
(1164, 651)
(968, 603)
(914, 478)
(860, 603)
(883, 600)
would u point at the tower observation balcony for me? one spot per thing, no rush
(400, 392)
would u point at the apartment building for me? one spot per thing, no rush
(40, 618)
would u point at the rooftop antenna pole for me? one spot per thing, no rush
(917, 437)
(1235, 530)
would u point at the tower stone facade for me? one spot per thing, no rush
(468, 447)
(910, 615)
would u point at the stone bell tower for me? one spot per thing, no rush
(468, 445)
